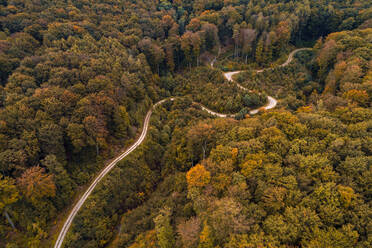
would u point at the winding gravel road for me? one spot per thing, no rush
(228, 75)
(271, 102)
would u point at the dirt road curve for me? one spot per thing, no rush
(271, 101)
(271, 104)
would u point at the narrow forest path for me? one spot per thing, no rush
(228, 75)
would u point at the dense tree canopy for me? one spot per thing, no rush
(77, 78)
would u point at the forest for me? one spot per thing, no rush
(78, 77)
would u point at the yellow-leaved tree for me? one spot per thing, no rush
(198, 176)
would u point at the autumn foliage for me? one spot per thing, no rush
(77, 78)
(198, 176)
(36, 184)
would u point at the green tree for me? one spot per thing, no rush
(63, 182)
(164, 230)
(259, 54)
(8, 196)
(122, 122)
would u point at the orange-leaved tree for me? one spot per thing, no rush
(36, 184)
(198, 176)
